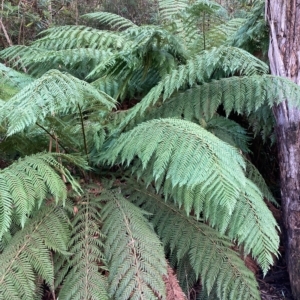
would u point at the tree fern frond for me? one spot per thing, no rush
(53, 93)
(38, 61)
(229, 131)
(170, 9)
(187, 158)
(72, 37)
(151, 47)
(134, 253)
(30, 181)
(114, 21)
(11, 82)
(200, 69)
(243, 95)
(208, 252)
(253, 226)
(28, 254)
(83, 269)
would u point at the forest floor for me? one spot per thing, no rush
(276, 286)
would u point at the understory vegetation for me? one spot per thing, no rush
(127, 161)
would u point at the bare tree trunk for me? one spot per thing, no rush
(284, 56)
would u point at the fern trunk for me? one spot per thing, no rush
(284, 56)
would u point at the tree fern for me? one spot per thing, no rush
(134, 253)
(28, 254)
(83, 269)
(53, 93)
(29, 181)
(209, 252)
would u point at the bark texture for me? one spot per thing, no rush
(284, 55)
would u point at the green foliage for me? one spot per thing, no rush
(81, 273)
(208, 252)
(134, 253)
(27, 182)
(27, 255)
(198, 202)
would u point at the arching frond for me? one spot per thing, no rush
(134, 253)
(199, 70)
(83, 269)
(38, 60)
(13, 78)
(187, 159)
(29, 181)
(208, 252)
(114, 21)
(71, 37)
(28, 254)
(53, 93)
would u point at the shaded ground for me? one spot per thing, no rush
(275, 286)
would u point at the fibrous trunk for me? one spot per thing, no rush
(284, 55)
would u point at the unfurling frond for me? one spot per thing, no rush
(29, 181)
(53, 93)
(84, 279)
(28, 254)
(186, 160)
(113, 20)
(209, 253)
(134, 253)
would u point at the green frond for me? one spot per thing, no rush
(114, 21)
(152, 47)
(169, 9)
(227, 60)
(38, 61)
(228, 131)
(253, 34)
(29, 181)
(209, 253)
(243, 95)
(253, 226)
(134, 253)
(187, 159)
(73, 37)
(28, 254)
(11, 81)
(53, 93)
(84, 268)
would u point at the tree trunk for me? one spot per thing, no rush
(284, 56)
